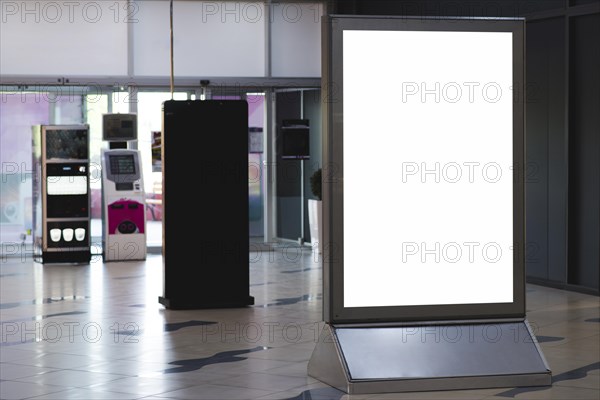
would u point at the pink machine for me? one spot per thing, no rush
(123, 203)
(125, 217)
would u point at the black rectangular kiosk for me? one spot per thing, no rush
(205, 204)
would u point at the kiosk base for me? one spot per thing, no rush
(63, 257)
(364, 360)
(186, 304)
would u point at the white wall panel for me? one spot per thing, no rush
(296, 39)
(211, 39)
(64, 38)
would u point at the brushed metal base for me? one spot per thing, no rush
(425, 358)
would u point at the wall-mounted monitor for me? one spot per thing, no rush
(255, 140)
(295, 137)
(119, 127)
(424, 192)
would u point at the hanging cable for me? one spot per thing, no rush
(172, 55)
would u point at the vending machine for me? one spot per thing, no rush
(123, 201)
(61, 194)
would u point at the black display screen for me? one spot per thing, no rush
(122, 165)
(67, 144)
(119, 127)
(296, 143)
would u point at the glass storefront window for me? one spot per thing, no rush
(256, 119)
(94, 107)
(149, 111)
(121, 102)
(19, 111)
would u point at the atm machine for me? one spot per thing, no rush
(61, 194)
(123, 202)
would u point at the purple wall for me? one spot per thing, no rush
(256, 111)
(18, 112)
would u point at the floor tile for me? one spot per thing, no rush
(266, 381)
(260, 352)
(71, 378)
(142, 386)
(10, 390)
(215, 392)
(553, 393)
(86, 394)
(14, 371)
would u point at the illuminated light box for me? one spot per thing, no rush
(427, 168)
(428, 222)
(423, 205)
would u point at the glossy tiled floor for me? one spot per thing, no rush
(98, 332)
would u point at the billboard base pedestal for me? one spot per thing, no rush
(392, 359)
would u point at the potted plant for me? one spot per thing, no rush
(315, 214)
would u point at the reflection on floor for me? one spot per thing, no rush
(98, 332)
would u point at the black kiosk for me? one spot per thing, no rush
(205, 238)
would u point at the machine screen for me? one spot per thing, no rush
(296, 143)
(122, 165)
(66, 185)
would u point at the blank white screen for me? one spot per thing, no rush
(66, 185)
(415, 238)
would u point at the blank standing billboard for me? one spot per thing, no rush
(425, 154)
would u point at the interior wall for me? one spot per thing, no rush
(584, 152)
(465, 8)
(287, 106)
(546, 150)
(296, 105)
(62, 39)
(128, 41)
(563, 126)
(312, 112)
